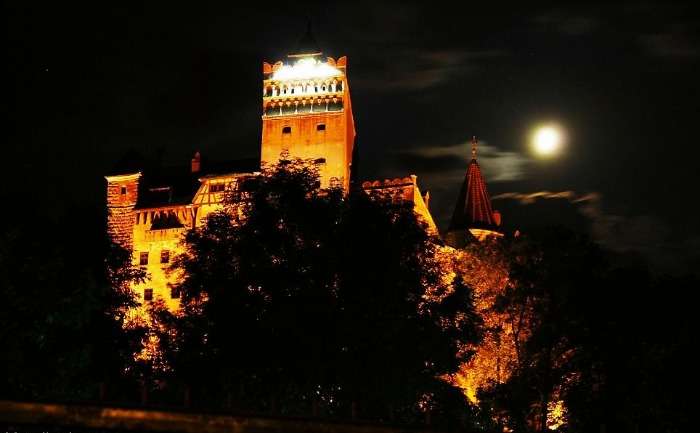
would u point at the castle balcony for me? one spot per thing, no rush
(275, 90)
(303, 106)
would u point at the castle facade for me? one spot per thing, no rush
(306, 113)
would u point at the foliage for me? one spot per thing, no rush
(301, 297)
(63, 307)
(599, 340)
(483, 267)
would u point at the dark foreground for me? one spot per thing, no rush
(24, 417)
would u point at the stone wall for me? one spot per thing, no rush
(122, 194)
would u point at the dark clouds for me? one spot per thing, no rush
(645, 236)
(90, 81)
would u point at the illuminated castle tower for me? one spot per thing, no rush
(307, 113)
(473, 217)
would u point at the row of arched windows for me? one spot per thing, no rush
(303, 88)
(146, 217)
(301, 107)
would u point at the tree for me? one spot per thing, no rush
(62, 314)
(308, 298)
(599, 341)
(549, 275)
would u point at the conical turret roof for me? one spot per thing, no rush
(473, 209)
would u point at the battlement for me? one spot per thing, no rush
(305, 69)
(389, 183)
(306, 86)
(403, 190)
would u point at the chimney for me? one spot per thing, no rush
(196, 162)
(426, 199)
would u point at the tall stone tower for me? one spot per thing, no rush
(307, 112)
(122, 195)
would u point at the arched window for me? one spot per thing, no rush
(319, 106)
(335, 105)
(287, 130)
(272, 110)
(288, 108)
(304, 107)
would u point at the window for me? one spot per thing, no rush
(217, 187)
(148, 295)
(123, 190)
(321, 127)
(165, 256)
(287, 130)
(174, 293)
(143, 258)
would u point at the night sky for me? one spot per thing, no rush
(89, 82)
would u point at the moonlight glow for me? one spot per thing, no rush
(305, 68)
(546, 141)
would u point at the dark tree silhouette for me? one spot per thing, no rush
(304, 299)
(601, 340)
(62, 313)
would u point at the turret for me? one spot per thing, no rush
(473, 217)
(122, 195)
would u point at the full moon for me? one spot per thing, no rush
(547, 141)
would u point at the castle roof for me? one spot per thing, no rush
(473, 209)
(177, 185)
(307, 45)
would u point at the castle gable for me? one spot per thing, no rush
(175, 186)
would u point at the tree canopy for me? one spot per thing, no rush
(63, 311)
(606, 346)
(297, 296)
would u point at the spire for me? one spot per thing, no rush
(473, 208)
(307, 45)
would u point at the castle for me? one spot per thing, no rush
(306, 113)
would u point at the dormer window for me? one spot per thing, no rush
(287, 130)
